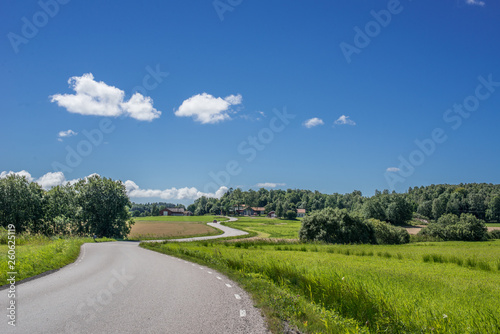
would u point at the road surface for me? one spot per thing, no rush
(118, 287)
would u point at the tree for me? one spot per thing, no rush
(291, 214)
(104, 204)
(336, 226)
(373, 209)
(399, 212)
(60, 210)
(494, 209)
(21, 204)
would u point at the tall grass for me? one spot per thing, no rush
(366, 287)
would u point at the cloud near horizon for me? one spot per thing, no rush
(270, 185)
(53, 179)
(392, 169)
(312, 122)
(208, 109)
(99, 99)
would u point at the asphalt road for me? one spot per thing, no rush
(118, 287)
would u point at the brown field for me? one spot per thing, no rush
(163, 229)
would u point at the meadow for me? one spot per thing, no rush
(433, 287)
(268, 227)
(37, 254)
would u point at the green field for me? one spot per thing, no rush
(268, 227)
(35, 255)
(205, 219)
(493, 224)
(445, 287)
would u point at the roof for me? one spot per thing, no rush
(258, 209)
(301, 210)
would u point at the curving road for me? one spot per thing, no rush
(119, 287)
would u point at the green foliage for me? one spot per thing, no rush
(374, 209)
(21, 204)
(399, 212)
(387, 234)
(451, 227)
(291, 214)
(493, 212)
(104, 207)
(336, 226)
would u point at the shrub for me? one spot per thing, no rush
(389, 234)
(450, 227)
(495, 234)
(336, 226)
(291, 215)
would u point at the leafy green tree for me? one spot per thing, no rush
(439, 206)
(21, 204)
(104, 207)
(373, 209)
(291, 214)
(425, 209)
(494, 209)
(336, 226)
(399, 212)
(61, 211)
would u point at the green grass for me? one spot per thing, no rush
(493, 224)
(363, 288)
(268, 227)
(38, 254)
(181, 218)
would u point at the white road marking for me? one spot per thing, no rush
(218, 277)
(243, 313)
(228, 285)
(201, 267)
(209, 272)
(237, 296)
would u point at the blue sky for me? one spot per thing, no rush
(185, 98)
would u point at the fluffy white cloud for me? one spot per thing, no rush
(99, 99)
(344, 120)
(47, 181)
(133, 190)
(270, 185)
(313, 122)
(21, 173)
(475, 3)
(67, 133)
(207, 109)
(392, 169)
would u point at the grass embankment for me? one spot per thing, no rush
(37, 254)
(173, 227)
(268, 227)
(362, 288)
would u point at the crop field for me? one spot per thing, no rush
(150, 230)
(268, 227)
(436, 287)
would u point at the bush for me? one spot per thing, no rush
(495, 234)
(291, 215)
(449, 227)
(387, 234)
(336, 226)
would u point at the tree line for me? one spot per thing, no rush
(94, 205)
(151, 209)
(427, 202)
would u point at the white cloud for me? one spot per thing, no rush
(344, 120)
(475, 3)
(207, 109)
(133, 190)
(21, 173)
(392, 169)
(270, 185)
(313, 122)
(99, 99)
(67, 133)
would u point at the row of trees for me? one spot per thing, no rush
(151, 209)
(93, 205)
(430, 202)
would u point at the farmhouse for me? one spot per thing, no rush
(175, 212)
(301, 212)
(271, 214)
